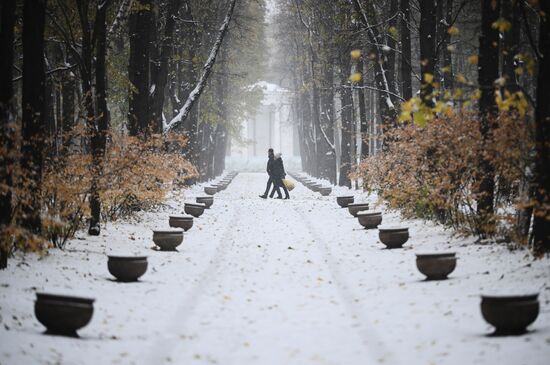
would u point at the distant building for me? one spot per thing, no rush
(272, 126)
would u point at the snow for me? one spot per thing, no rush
(273, 282)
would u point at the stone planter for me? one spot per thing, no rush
(168, 240)
(127, 268)
(195, 210)
(369, 220)
(344, 201)
(316, 187)
(355, 208)
(181, 221)
(393, 237)
(510, 315)
(61, 314)
(436, 266)
(325, 190)
(206, 200)
(210, 190)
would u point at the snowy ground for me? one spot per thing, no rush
(273, 282)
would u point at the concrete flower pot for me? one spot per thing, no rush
(393, 237)
(168, 240)
(325, 190)
(316, 187)
(355, 208)
(195, 210)
(369, 220)
(206, 200)
(210, 190)
(127, 268)
(510, 315)
(436, 266)
(61, 314)
(344, 201)
(181, 221)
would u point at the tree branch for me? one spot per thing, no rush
(206, 70)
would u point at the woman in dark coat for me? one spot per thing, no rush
(278, 174)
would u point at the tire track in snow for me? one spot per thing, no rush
(163, 348)
(373, 344)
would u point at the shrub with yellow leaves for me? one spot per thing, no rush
(430, 171)
(136, 174)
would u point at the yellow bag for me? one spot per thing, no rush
(289, 184)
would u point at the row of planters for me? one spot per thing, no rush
(312, 184)
(509, 314)
(64, 315)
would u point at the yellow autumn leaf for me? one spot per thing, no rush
(405, 116)
(458, 93)
(439, 107)
(355, 54)
(446, 69)
(449, 112)
(407, 106)
(429, 78)
(502, 25)
(355, 77)
(473, 59)
(461, 78)
(518, 71)
(452, 30)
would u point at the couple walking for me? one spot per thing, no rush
(276, 172)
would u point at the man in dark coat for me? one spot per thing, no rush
(270, 160)
(278, 174)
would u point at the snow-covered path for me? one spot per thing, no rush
(274, 282)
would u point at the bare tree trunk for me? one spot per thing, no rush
(347, 123)
(68, 88)
(541, 221)
(33, 129)
(7, 128)
(327, 122)
(406, 59)
(487, 74)
(99, 133)
(161, 74)
(364, 125)
(206, 70)
(392, 44)
(138, 68)
(447, 60)
(427, 49)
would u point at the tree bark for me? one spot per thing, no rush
(541, 220)
(427, 49)
(488, 72)
(68, 88)
(406, 59)
(346, 115)
(138, 68)
(327, 122)
(364, 125)
(98, 140)
(7, 128)
(447, 60)
(33, 129)
(206, 70)
(392, 44)
(161, 73)
(511, 42)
